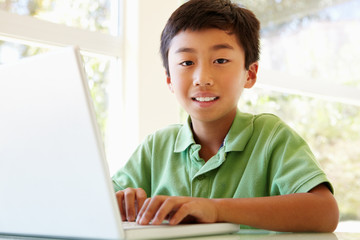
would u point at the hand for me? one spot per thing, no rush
(130, 202)
(177, 209)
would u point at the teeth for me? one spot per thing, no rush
(205, 99)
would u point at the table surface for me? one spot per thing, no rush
(250, 235)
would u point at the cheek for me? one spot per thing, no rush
(177, 85)
(180, 88)
(233, 85)
(180, 80)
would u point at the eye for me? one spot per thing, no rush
(221, 61)
(187, 63)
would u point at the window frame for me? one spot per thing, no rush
(27, 29)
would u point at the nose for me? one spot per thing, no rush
(202, 76)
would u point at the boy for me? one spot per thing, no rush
(222, 165)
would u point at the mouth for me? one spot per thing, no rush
(205, 99)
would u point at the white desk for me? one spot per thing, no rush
(266, 235)
(249, 235)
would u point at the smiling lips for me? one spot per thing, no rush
(205, 99)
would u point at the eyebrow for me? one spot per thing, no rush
(213, 48)
(222, 46)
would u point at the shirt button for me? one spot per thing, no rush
(201, 177)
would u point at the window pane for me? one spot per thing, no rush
(96, 68)
(92, 15)
(12, 51)
(97, 71)
(315, 40)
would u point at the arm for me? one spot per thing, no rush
(313, 211)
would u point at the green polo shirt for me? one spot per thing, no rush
(261, 156)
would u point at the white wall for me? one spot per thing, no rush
(149, 105)
(157, 105)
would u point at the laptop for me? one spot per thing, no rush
(54, 178)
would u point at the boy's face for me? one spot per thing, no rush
(207, 73)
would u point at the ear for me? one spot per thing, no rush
(168, 81)
(252, 75)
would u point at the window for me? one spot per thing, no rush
(309, 77)
(32, 27)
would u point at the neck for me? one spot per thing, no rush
(211, 135)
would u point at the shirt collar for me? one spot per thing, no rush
(236, 139)
(240, 132)
(185, 137)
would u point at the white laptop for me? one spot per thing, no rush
(54, 180)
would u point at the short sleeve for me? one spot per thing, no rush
(293, 167)
(137, 171)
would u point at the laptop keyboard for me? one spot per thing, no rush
(134, 225)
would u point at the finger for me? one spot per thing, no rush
(140, 198)
(129, 196)
(120, 199)
(168, 207)
(151, 209)
(142, 210)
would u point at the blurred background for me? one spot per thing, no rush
(309, 72)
